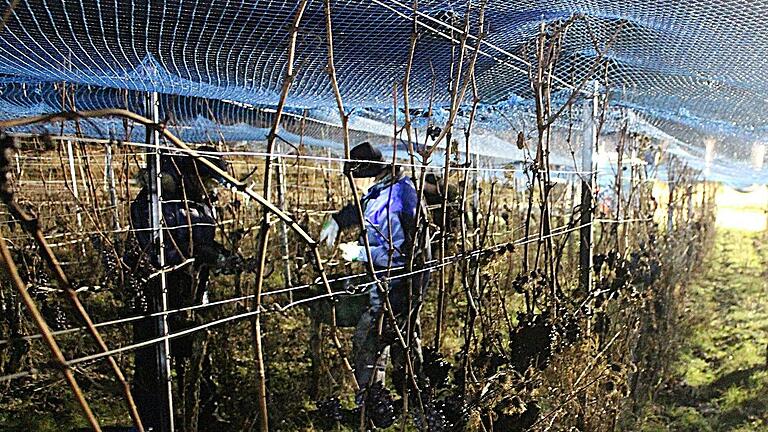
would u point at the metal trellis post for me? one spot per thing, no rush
(588, 187)
(156, 212)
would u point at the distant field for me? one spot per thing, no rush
(744, 211)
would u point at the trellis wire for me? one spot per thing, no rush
(276, 307)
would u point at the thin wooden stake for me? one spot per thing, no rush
(285, 249)
(110, 180)
(73, 178)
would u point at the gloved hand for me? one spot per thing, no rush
(351, 251)
(329, 232)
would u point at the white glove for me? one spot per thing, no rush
(351, 251)
(329, 232)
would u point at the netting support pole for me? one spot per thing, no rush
(588, 187)
(73, 178)
(156, 212)
(281, 192)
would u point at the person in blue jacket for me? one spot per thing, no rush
(191, 251)
(389, 209)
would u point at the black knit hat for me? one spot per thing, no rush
(187, 166)
(364, 161)
(216, 159)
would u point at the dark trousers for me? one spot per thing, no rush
(375, 340)
(149, 390)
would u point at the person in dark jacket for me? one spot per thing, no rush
(190, 250)
(389, 209)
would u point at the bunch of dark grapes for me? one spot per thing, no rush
(49, 307)
(646, 270)
(38, 278)
(531, 342)
(435, 368)
(568, 328)
(54, 315)
(379, 409)
(519, 283)
(330, 413)
(135, 295)
(454, 410)
(330, 409)
(135, 280)
(379, 406)
(435, 417)
(110, 263)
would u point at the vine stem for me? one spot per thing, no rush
(58, 357)
(263, 239)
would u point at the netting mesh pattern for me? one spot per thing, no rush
(691, 69)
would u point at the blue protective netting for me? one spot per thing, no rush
(687, 71)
